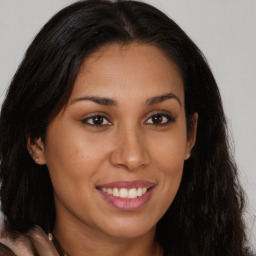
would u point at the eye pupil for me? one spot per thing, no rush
(157, 119)
(98, 120)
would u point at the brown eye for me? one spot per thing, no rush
(157, 119)
(96, 120)
(160, 119)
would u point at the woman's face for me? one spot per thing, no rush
(115, 153)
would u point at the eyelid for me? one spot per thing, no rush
(164, 113)
(85, 118)
(158, 112)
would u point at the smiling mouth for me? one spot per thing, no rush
(127, 195)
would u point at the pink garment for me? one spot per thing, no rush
(35, 242)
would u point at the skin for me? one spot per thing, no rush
(128, 146)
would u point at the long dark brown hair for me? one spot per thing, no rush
(206, 216)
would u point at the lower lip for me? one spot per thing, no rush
(127, 204)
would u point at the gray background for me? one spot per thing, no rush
(225, 30)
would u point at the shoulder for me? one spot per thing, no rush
(5, 251)
(34, 242)
(15, 247)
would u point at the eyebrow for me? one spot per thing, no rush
(161, 98)
(112, 102)
(99, 100)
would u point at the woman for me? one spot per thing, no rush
(113, 141)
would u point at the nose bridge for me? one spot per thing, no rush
(130, 150)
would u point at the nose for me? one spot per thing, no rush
(130, 151)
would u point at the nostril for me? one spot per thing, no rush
(127, 161)
(130, 150)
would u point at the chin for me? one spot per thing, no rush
(130, 231)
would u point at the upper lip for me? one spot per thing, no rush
(127, 184)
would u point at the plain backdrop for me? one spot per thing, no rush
(225, 30)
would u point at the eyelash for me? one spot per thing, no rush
(167, 118)
(86, 120)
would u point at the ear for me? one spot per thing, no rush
(36, 150)
(191, 135)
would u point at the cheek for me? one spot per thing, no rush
(70, 156)
(171, 171)
(72, 161)
(169, 150)
(169, 178)
(169, 160)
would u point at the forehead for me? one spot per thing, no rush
(135, 69)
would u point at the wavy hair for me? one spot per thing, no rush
(206, 216)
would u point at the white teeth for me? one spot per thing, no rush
(115, 192)
(132, 193)
(139, 191)
(109, 191)
(125, 193)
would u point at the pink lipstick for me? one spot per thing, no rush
(127, 195)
